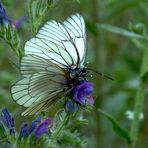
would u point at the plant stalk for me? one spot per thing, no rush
(57, 132)
(137, 110)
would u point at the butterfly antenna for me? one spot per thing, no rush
(101, 74)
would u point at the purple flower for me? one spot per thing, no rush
(24, 130)
(82, 93)
(8, 120)
(34, 124)
(42, 128)
(3, 16)
(71, 106)
(19, 23)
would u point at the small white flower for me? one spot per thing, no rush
(130, 115)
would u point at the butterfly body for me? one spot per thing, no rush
(53, 64)
(77, 74)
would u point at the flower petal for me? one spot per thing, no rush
(24, 130)
(3, 16)
(82, 92)
(90, 100)
(8, 120)
(71, 106)
(43, 127)
(34, 124)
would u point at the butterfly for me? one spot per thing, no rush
(52, 65)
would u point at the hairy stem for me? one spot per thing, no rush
(137, 110)
(59, 129)
(31, 16)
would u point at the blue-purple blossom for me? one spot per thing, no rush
(24, 130)
(71, 106)
(34, 124)
(36, 129)
(42, 128)
(3, 16)
(82, 93)
(27, 129)
(8, 120)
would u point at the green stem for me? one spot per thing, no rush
(31, 16)
(57, 132)
(137, 111)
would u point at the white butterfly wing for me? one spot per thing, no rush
(50, 51)
(63, 44)
(31, 64)
(42, 106)
(42, 81)
(75, 27)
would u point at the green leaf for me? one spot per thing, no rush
(116, 127)
(37, 12)
(2, 132)
(77, 123)
(59, 117)
(72, 139)
(120, 31)
(9, 33)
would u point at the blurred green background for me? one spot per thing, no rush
(108, 53)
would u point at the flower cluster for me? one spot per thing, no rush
(36, 129)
